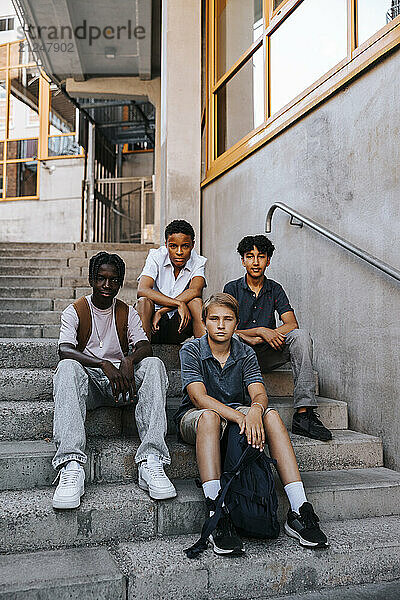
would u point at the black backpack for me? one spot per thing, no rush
(248, 490)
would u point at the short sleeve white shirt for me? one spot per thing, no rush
(158, 266)
(104, 329)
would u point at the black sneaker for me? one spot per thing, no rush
(304, 527)
(224, 538)
(307, 424)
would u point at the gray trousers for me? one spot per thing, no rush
(299, 350)
(78, 388)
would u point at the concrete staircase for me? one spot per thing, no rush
(120, 544)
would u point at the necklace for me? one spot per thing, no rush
(106, 330)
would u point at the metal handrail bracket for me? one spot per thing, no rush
(372, 260)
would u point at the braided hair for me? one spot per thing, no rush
(103, 258)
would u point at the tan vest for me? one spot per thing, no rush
(85, 323)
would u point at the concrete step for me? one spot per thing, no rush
(82, 281)
(34, 420)
(28, 353)
(36, 253)
(18, 304)
(23, 261)
(361, 551)
(73, 574)
(30, 317)
(108, 513)
(37, 292)
(14, 330)
(29, 281)
(40, 270)
(384, 590)
(27, 464)
(36, 246)
(111, 512)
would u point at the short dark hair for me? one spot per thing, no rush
(103, 258)
(261, 242)
(179, 226)
(221, 299)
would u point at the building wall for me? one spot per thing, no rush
(138, 164)
(340, 166)
(56, 217)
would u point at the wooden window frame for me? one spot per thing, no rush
(358, 59)
(43, 136)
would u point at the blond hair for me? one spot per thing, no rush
(221, 299)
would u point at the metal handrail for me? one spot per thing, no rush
(372, 260)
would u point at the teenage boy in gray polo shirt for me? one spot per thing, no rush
(259, 298)
(222, 382)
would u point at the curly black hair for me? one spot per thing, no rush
(261, 242)
(103, 258)
(179, 226)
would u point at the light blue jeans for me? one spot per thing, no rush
(78, 388)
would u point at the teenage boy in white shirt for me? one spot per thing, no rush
(95, 370)
(171, 286)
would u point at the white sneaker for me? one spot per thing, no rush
(70, 487)
(153, 479)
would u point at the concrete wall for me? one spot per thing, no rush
(138, 164)
(339, 166)
(56, 217)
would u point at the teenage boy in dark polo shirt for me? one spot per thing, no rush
(221, 382)
(258, 299)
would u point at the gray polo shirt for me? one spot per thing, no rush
(228, 385)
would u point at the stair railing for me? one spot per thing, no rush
(372, 260)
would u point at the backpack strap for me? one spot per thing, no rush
(121, 323)
(249, 456)
(84, 332)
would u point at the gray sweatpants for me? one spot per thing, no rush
(78, 388)
(299, 350)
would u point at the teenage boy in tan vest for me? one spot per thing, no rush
(95, 370)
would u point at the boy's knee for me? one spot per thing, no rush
(69, 365)
(301, 336)
(209, 419)
(153, 364)
(272, 417)
(144, 304)
(195, 305)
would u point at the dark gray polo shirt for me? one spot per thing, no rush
(228, 385)
(258, 311)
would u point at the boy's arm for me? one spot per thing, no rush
(200, 399)
(145, 290)
(194, 290)
(253, 425)
(274, 337)
(119, 382)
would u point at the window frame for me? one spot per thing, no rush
(43, 135)
(358, 58)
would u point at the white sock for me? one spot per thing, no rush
(296, 495)
(211, 488)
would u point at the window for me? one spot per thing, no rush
(374, 14)
(64, 145)
(239, 24)
(24, 100)
(17, 149)
(305, 46)
(268, 62)
(7, 24)
(21, 179)
(240, 103)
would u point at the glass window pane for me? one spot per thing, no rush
(1, 150)
(62, 112)
(239, 23)
(20, 54)
(65, 145)
(312, 40)
(21, 179)
(22, 149)
(278, 3)
(374, 14)
(240, 103)
(3, 107)
(24, 102)
(3, 57)
(1, 181)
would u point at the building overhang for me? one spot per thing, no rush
(81, 40)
